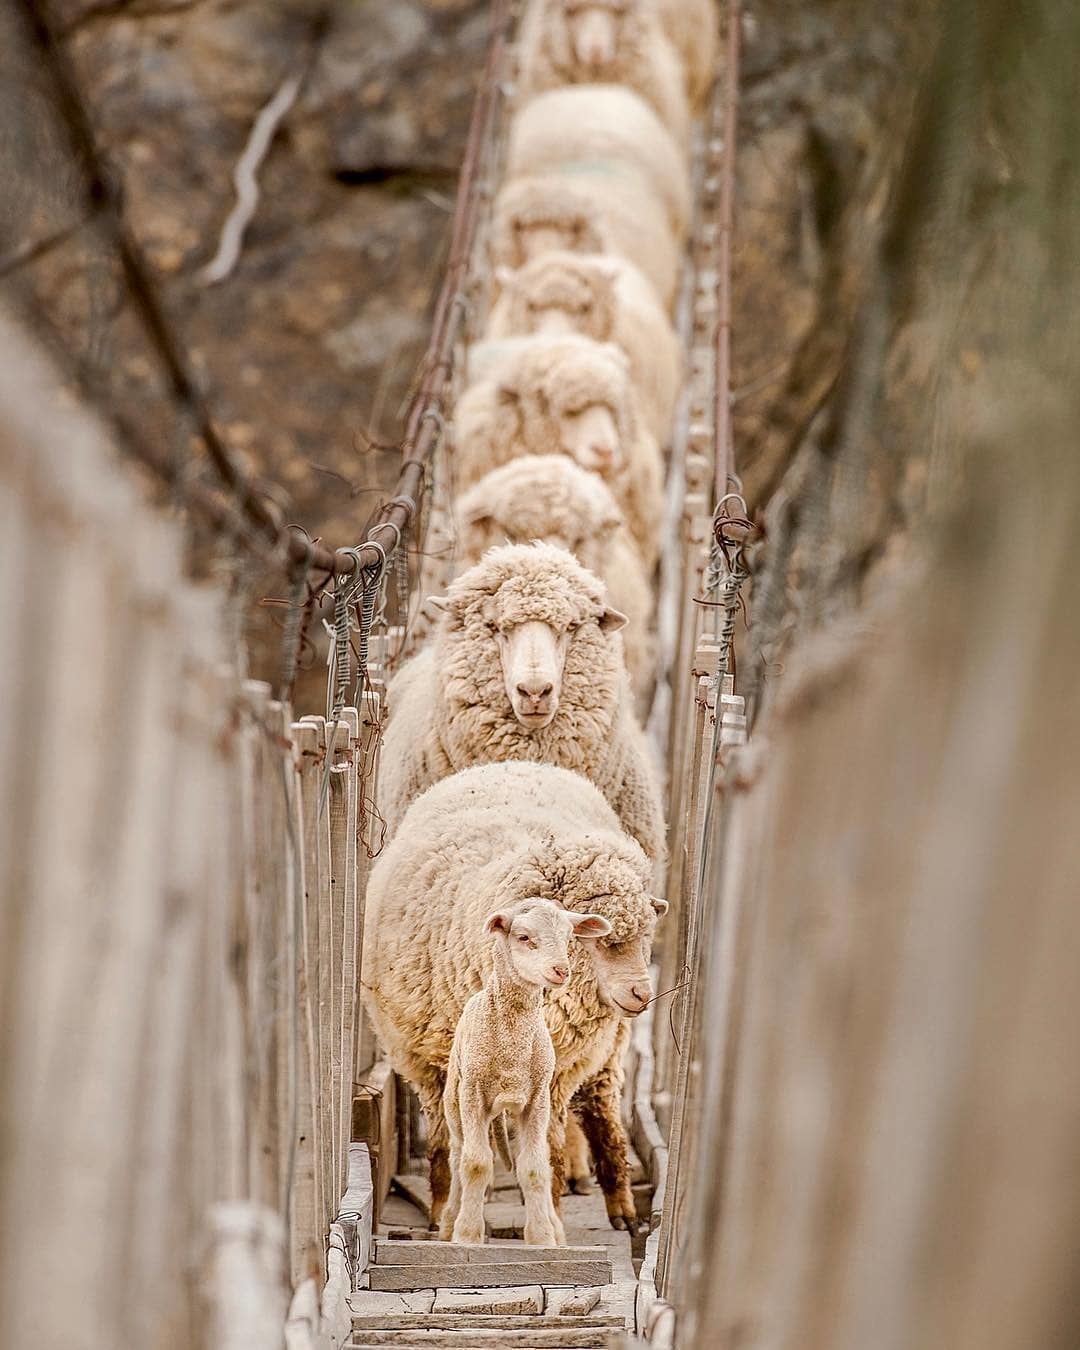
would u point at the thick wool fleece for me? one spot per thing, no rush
(520, 414)
(645, 59)
(606, 299)
(594, 208)
(449, 709)
(576, 126)
(482, 840)
(549, 498)
(693, 29)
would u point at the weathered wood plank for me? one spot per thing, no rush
(480, 1321)
(536, 1338)
(469, 1275)
(393, 1252)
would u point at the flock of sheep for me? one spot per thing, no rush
(510, 918)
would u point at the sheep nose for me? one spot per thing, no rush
(641, 992)
(603, 454)
(559, 974)
(536, 691)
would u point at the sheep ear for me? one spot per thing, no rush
(478, 515)
(499, 922)
(661, 906)
(591, 926)
(612, 620)
(436, 604)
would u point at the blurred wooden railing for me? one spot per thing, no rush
(179, 927)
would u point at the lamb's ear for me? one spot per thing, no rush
(661, 906)
(612, 620)
(591, 926)
(499, 922)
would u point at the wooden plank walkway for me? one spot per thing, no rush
(423, 1292)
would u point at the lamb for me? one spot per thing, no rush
(584, 128)
(494, 836)
(692, 27)
(607, 209)
(604, 41)
(606, 299)
(526, 663)
(502, 1061)
(548, 497)
(570, 396)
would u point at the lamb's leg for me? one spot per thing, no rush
(430, 1093)
(452, 1111)
(597, 1104)
(543, 1227)
(477, 1167)
(557, 1145)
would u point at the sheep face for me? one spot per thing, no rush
(519, 638)
(578, 404)
(533, 655)
(554, 298)
(586, 36)
(622, 973)
(537, 938)
(533, 218)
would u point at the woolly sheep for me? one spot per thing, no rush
(525, 663)
(692, 27)
(604, 211)
(548, 497)
(501, 1064)
(606, 299)
(570, 396)
(494, 836)
(604, 41)
(592, 128)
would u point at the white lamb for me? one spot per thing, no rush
(569, 396)
(692, 26)
(604, 42)
(501, 1064)
(586, 210)
(526, 663)
(491, 837)
(585, 128)
(603, 298)
(548, 497)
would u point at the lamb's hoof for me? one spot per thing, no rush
(581, 1185)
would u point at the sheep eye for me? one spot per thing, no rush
(572, 627)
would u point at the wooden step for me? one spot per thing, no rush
(529, 1338)
(484, 1322)
(492, 1274)
(395, 1252)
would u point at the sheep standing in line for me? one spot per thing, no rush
(569, 396)
(526, 663)
(590, 209)
(502, 1061)
(549, 498)
(578, 128)
(606, 299)
(692, 26)
(604, 42)
(493, 836)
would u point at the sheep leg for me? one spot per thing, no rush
(597, 1104)
(543, 1227)
(476, 1167)
(578, 1162)
(430, 1093)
